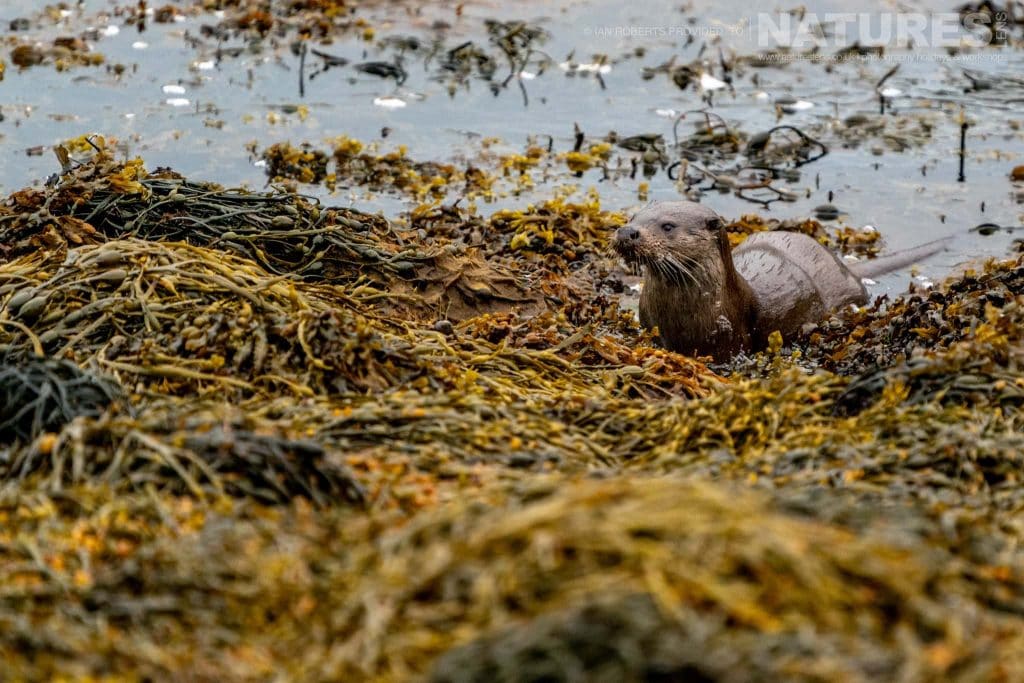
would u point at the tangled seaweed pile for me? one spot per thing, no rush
(241, 439)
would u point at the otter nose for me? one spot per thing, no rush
(627, 233)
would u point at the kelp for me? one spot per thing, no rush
(284, 233)
(208, 451)
(311, 473)
(699, 578)
(187, 320)
(39, 395)
(178, 316)
(980, 305)
(702, 583)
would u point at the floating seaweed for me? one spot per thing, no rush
(882, 132)
(63, 53)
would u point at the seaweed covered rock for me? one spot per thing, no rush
(284, 233)
(726, 608)
(978, 304)
(328, 454)
(959, 343)
(189, 318)
(511, 586)
(208, 451)
(40, 395)
(682, 569)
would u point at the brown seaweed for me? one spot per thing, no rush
(302, 478)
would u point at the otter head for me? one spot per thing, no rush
(681, 242)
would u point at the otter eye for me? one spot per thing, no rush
(668, 227)
(714, 223)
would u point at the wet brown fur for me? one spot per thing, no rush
(706, 299)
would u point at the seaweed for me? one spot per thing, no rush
(42, 395)
(283, 233)
(335, 473)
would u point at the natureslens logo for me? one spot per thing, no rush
(807, 30)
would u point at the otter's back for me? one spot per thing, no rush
(795, 280)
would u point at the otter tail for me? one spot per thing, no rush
(900, 259)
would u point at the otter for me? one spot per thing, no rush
(707, 299)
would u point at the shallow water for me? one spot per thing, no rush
(911, 196)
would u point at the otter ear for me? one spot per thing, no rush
(714, 223)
